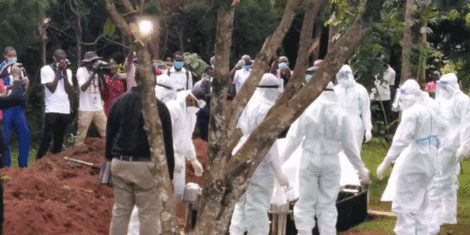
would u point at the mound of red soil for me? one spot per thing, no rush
(58, 197)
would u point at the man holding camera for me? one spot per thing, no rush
(14, 117)
(90, 105)
(57, 81)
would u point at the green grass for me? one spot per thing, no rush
(373, 153)
(14, 156)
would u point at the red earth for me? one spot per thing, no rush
(57, 197)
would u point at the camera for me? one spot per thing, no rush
(103, 67)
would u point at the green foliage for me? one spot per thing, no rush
(109, 28)
(19, 20)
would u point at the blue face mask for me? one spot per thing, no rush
(246, 67)
(282, 65)
(11, 60)
(178, 64)
(308, 77)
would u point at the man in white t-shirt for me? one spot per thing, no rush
(181, 78)
(90, 109)
(57, 81)
(381, 92)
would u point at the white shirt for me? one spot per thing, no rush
(58, 101)
(90, 99)
(240, 77)
(181, 79)
(384, 85)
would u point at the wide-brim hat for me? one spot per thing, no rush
(90, 56)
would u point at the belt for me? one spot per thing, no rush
(132, 158)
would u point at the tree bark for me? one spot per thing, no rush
(410, 62)
(214, 178)
(152, 124)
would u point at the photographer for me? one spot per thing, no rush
(90, 105)
(57, 81)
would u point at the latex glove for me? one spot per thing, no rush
(178, 168)
(364, 176)
(240, 64)
(462, 153)
(368, 136)
(381, 169)
(179, 164)
(282, 178)
(197, 167)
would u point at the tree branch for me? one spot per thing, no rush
(265, 134)
(313, 7)
(118, 19)
(270, 46)
(127, 5)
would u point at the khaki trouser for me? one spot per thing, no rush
(134, 184)
(85, 118)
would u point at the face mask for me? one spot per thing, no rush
(282, 65)
(246, 67)
(344, 81)
(11, 60)
(178, 64)
(192, 109)
(201, 103)
(308, 77)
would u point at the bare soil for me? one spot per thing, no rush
(58, 197)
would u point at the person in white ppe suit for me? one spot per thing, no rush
(164, 90)
(323, 130)
(455, 106)
(415, 144)
(353, 97)
(250, 214)
(183, 118)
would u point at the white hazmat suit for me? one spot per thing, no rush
(415, 144)
(250, 212)
(323, 130)
(455, 106)
(353, 97)
(183, 120)
(164, 90)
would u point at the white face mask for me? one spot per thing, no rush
(192, 109)
(344, 81)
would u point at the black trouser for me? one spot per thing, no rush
(55, 125)
(203, 123)
(380, 112)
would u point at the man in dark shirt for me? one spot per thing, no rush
(132, 170)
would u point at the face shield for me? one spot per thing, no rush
(406, 96)
(396, 104)
(345, 76)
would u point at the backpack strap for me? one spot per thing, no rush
(168, 72)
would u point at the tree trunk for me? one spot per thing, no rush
(152, 124)
(412, 65)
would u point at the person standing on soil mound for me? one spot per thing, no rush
(90, 107)
(12, 100)
(132, 170)
(57, 81)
